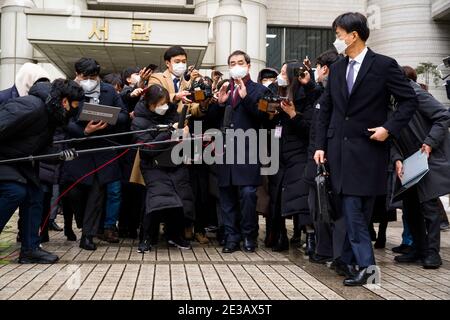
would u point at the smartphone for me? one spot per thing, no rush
(152, 67)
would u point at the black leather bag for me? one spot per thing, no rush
(325, 202)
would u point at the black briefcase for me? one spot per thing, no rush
(325, 207)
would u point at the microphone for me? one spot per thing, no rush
(227, 118)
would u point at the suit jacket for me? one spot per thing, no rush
(245, 116)
(358, 165)
(165, 79)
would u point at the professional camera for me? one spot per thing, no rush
(271, 103)
(200, 91)
(300, 72)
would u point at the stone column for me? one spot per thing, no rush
(16, 50)
(230, 32)
(256, 13)
(406, 31)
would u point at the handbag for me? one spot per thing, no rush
(325, 208)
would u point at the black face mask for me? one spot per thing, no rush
(72, 113)
(59, 114)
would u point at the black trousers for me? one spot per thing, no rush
(424, 220)
(330, 237)
(199, 175)
(174, 224)
(132, 206)
(86, 202)
(278, 222)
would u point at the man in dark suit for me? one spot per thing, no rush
(352, 132)
(238, 182)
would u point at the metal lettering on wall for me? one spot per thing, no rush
(140, 31)
(101, 33)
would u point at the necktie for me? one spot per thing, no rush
(351, 76)
(234, 97)
(175, 84)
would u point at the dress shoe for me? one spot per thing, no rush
(445, 226)
(71, 236)
(432, 261)
(411, 257)
(144, 246)
(359, 279)
(403, 249)
(282, 244)
(249, 245)
(180, 243)
(38, 255)
(310, 244)
(317, 258)
(87, 243)
(231, 247)
(344, 270)
(110, 236)
(52, 225)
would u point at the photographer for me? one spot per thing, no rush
(288, 191)
(27, 128)
(169, 194)
(205, 205)
(177, 77)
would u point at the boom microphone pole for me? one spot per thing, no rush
(71, 154)
(157, 128)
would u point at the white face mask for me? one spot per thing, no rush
(179, 69)
(340, 46)
(267, 83)
(88, 85)
(238, 72)
(135, 78)
(281, 81)
(161, 110)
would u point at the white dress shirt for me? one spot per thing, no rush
(358, 62)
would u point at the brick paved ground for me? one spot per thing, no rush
(119, 272)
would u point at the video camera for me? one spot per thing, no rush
(200, 91)
(271, 103)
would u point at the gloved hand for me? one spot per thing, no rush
(68, 155)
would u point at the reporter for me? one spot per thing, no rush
(288, 191)
(86, 200)
(27, 128)
(169, 194)
(427, 131)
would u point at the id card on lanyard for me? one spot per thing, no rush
(278, 131)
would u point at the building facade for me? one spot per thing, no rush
(55, 33)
